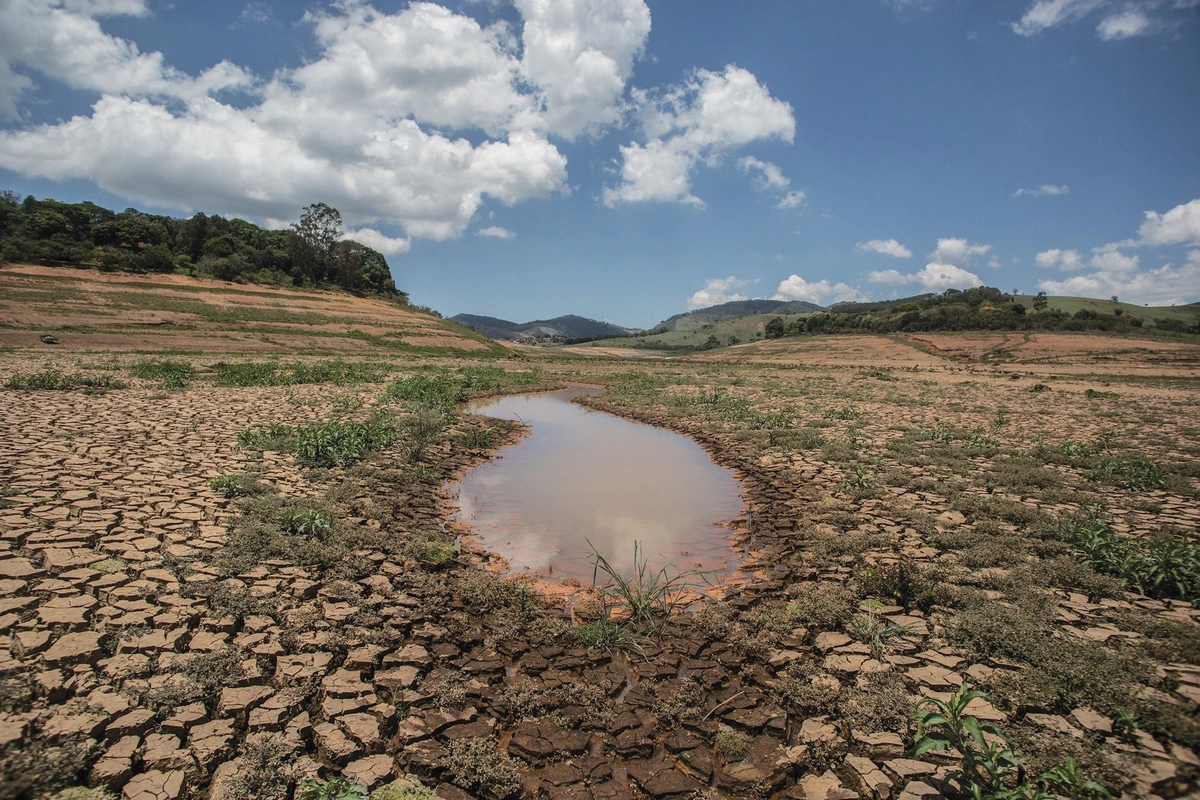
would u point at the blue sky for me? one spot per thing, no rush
(627, 160)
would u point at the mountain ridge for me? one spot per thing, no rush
(698, 318)
(567, 326)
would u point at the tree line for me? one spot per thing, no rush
(311, 252)
(981, 308)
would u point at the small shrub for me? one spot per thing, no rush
(239, 485)
(1167, 640)
(429, 550)
(530, 700)
(311, 522)
(422, 472)
(57, 380)
(730, 744)
(807, 438)
(603, 634)
(37, 769)
(268, 374)
(860, 477)
(677, 701)
(339, 444)
(170, 374)
(806, 689)
(905, 583)
(275, 437)
(1003, 551)
(875, 631)
(440, 391)
(822, 606)
(646, 598)
(493, 593)
(228, 598)
(879, 704)
(201, 678)
(478, 438)
(990, 765)
(266, 771)
(1068, 573)
(403, 789)
(1134, 474)
(1167, 565)
(109, 565)
(845, 412)
(992, 630)
(421, 429)
(336, 788)
(477, 766)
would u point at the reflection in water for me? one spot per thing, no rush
(583, 476)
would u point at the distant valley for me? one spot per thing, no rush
(573, 327)
(568, 327)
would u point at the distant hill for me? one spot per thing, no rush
(693, 320)
(981, 308)
(569, 326)
(165, 313)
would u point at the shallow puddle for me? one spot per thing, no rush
(583, 476)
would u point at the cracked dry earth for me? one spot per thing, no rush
(114, 599)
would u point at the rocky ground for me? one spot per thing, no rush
(162, 640)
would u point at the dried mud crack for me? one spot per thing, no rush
(151, 644)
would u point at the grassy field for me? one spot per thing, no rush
(236, 573)
(1185, 313)
(743, 329)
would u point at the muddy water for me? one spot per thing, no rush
(583, 476)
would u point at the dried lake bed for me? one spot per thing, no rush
(915, 527)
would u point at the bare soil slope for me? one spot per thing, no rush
(85, 309)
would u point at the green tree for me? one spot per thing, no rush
(313, 239)
(360, 268)
(774, 329)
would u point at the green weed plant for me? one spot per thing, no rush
(57, 380)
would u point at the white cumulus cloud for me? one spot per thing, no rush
(932, 277)
(372, 238)
(707, 116)
(1045, 190)
(793, 199)
(719, 290)
(795, 287)
(1120, 19)
(772, 180)
(888, 247)
(1131, 22)
(1114, 271)
(957, 251)
(1109, 258)
(496, 232)
(1164, 286)
(1180, 225)
(1045, 14)
(64, 41)
(410, 118)
(580, 53)
(769, 175)
(1068, 260)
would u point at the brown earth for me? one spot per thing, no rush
(1047, 353)
(89, 310)
(147, 644)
